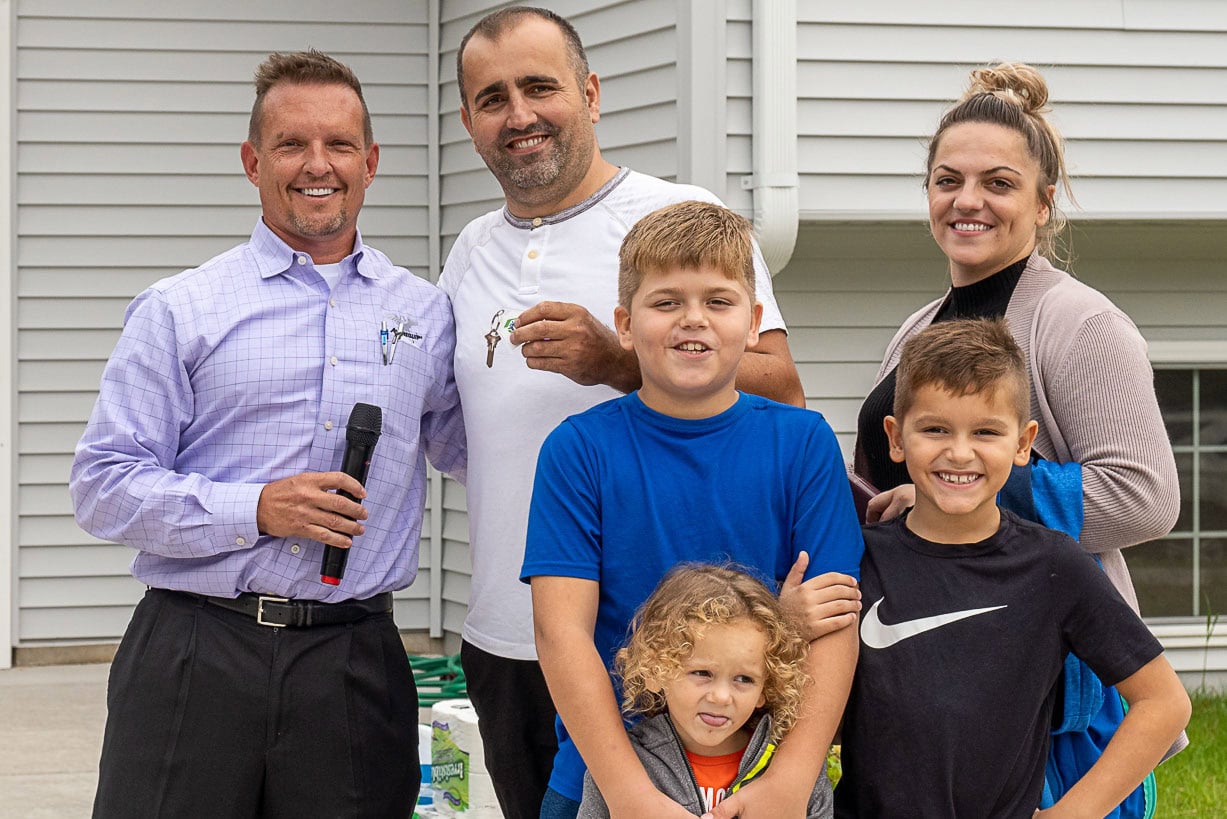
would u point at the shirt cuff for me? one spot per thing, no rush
(232, 510)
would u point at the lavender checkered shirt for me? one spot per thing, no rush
(243, 371)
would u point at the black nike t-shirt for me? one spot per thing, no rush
(961, 648)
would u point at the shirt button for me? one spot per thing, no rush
(302, 259)
(532, 254)
(333, 361)
(327, 425)
(295, 549)
(332, 302)
(240, 541)
(536, 221)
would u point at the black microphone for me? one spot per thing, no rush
(361, 435)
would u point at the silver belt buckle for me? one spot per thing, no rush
(260, 610)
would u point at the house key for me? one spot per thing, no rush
(492, 339)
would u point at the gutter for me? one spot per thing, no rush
(775, 180)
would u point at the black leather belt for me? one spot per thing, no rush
(280, 612)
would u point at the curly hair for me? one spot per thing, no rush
(691, 597)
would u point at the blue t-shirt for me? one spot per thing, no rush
(624, 493)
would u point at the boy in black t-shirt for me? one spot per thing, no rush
(970, 612)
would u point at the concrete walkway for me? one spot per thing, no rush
(51, 721)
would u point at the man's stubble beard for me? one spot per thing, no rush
(550, 177)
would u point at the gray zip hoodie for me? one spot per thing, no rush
(660, 750)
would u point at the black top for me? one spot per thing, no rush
(961, 649)
(987, 298)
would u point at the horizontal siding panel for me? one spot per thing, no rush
(196, 97)
(974, 45)
(137, 34)
(943, 81)
(32, 469)
(74, 561)
(71, 407)
(368, 11)
(456, 587)
(43, 592)
(50, 439)
(648, 124)
(836, 380)
(80, 623)
(54, 530)
(64, 345)
(411, 614)
(59, 376)
(45, 500)
(86, 313)
(962, 13)
(174, 66)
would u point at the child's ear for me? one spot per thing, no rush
(762, 700)
(1025, 439)
(756, 320)
(622, 323)
(894, 434)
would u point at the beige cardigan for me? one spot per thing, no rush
(1092, 392)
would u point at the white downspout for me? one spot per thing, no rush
(775, 180)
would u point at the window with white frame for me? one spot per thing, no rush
(1185, 573)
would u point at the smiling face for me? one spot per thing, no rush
(312, 167)
(984, 199)
(530, 117)
(719, 688)
(959, 451)
(689, 329)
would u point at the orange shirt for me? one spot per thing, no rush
(715, 775)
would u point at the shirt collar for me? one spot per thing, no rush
(274, 257)
(573, 211)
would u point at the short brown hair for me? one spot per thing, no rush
(963, 357)
(687, 235)
(303, 68)
(493, 25)
(691, 597)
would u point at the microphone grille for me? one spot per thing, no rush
(365, 424)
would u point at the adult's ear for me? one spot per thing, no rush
(251, 162)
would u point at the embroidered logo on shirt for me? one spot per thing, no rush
(876, 634)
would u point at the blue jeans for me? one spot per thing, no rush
(557, 806)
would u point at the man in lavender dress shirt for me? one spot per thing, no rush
(244, 685)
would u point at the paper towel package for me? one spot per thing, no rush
(461, 784)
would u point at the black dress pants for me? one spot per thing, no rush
(211, 714)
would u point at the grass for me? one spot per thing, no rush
(1194, 782)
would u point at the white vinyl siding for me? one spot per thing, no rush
(1139, 89)
(127, 170)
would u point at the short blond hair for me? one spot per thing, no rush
(687, 235)
(691, 597)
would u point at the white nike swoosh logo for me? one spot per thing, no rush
(876, 634)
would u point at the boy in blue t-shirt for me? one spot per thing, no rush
(973, 610)
(686, 469)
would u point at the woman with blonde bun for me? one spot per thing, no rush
(993, 170)
(1103, 469)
